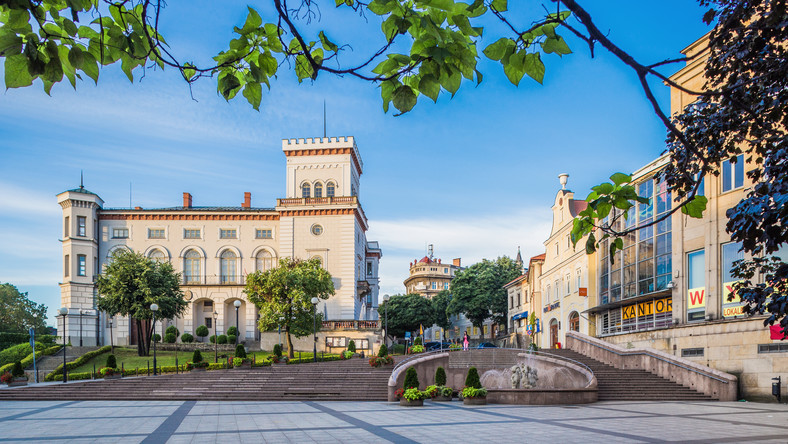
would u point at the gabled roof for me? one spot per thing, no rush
(515, 280)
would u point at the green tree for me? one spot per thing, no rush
(131, 283)
(478, 293)
(286, 292)
(440, 304)
(20, 313)
(407, 312)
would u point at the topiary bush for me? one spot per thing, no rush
(440, 376)
(111, 361)
(472, 380)
(278, 350)
(232, 331)
(212, 339)
(240, 351)
(351, 346)
(222, 339)
(172, 330)
(384, 351)
(187, 338)
(202, 331)
(156, 337)
(231, 339)
(412, 379)
(18, 371)
(417, 341)
(170, 338)
(196, 356)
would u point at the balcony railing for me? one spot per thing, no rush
(213, 279)
(295, 201)
(351, 325)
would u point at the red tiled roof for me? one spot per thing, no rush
(425, 259)
(538, 258)
(518, 278)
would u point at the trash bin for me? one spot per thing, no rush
(776, 388)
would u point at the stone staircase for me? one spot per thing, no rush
(631, 384)
(351, 380)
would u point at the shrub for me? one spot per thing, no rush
(222, 339)
(231, 339)
(232, 331)
(431, 391)
(111, 361)
(413, 394)
(15, 353)
(18, 371)
(417, 341)
(212, 339)
(472, 380)
(347, 354)
(455, 347)
(75, 363)
(440, 376)
(351, 346)
(377, 361)
(411, 379)
(6, 378)
(398, 349)
(156, 337)
(187, 338)
(278, 350)
(172, 330)
(202, 331)
(240, 351)
(196, 356)
(418, 348)
(384, 351)
(237, 362)
(447, 392)
(170, 338)
(472, 392)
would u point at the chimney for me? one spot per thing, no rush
(247, 200)
(187, 200)
(456, 262)
(137, 208)
(439, 261)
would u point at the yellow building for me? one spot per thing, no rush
(429, 276)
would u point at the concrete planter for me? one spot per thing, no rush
(198, 369)
(474, 401)
(18, 382)
(442, 398)
(117, 376)
(417, 403)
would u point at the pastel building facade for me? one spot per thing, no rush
(214, 248)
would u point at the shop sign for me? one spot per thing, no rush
(733, 307)
(583, 291)
(552, 306)
(696, 298)
(646, 308)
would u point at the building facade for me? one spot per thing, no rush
(429, 276)
(525, 299)
(215, 247)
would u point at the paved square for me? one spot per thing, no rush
(353, 422)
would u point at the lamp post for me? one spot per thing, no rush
(386, 311)
(281, 321)
(111, 341)
(215, 337)
(237, 305)
(80, 326)
(315, 300)
(154, 308)
(63, 312)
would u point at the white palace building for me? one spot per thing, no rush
(215, 247)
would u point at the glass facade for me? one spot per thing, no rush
(696, 286)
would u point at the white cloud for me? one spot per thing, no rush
(469, 238)
(25, 203)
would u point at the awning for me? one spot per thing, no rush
(520, 315)
(628, 301)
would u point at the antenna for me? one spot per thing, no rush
(129, 195)
(429, 251)
(81, 181)
(324, 118)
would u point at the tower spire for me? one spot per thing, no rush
(81, 180)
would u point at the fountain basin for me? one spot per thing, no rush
(542, 396)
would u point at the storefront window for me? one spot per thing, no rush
(696, 285)
(730, 254)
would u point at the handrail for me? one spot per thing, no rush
(632, 353)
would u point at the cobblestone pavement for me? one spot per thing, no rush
(257, 422)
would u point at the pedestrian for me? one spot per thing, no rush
(465, 341)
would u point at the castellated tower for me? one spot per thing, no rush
(80, 265)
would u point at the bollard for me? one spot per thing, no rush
(777, 388)
(94, 370)
(148, 368)
(122, 369)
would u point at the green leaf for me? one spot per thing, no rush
(253, 21)
(228, 85)
(380, 7)
(500, 5)
(695, 207)
(188, 71)
(90, 66)
(327, 44)
(515, 67)
(430, 87)
(70, 27)
(556, 45)
(10, 44)
(253, 93)
(498, 49)
(444, 5)
(404, 98)
(620, 178)
(450, 81)
(16, 73)
(590, 244)
(534, 66)
(603, 188)
(75, 57)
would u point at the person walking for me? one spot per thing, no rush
(465, 341)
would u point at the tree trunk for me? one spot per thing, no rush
(143, 338)
(481, 333)
(290, 353)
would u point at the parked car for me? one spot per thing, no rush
(487, 345)
(435, 345)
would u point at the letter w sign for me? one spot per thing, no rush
(696, 297)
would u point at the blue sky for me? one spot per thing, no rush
(474, 175)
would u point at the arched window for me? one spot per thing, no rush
(330, 189)
(157, 255)
(305, 190)
(264, 261)
(191, 267)
(318, 189)
(574, 321)
(227, 265)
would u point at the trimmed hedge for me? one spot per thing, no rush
(187, 338)
(28, 360)
(77, 362)
(232, 331)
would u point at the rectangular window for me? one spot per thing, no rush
(66, 226)
(730, 254)
(568, 284)
(434, 285)
(369, 269)
(155, 233)
(120, 233)
(445, 285)
(263, 234)
(227, 234)
(207, 306)
(82, 265)
(579, 279)
(81, 226)
(692, 352)
(733, 174)
(66, 265)
(209, 322)
(773, 348)
(696, 285)
(191, 234)
(445, 271)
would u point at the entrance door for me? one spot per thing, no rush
(553, 333)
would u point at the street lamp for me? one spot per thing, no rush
(63, 312)
(80, 327)
(215, 337)
(111, 341)
(314, 329)
(237, 304)
(386, 311)
(281, 321)
(154, 308)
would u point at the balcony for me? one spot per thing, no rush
(351, 325)
(300, 201)
(213, 279)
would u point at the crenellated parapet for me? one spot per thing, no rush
(317, 146)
